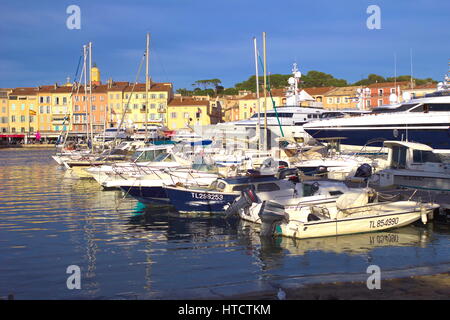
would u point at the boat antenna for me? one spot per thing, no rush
(411, 60)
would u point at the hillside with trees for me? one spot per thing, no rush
(313, 78)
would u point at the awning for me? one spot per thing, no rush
(12, 136)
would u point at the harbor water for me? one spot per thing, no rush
(125, 250)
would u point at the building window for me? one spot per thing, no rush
(152, 116)
(380, 92)
(173, 115)
(13, 118)
(152, 106)
(94, 108)
(338, 100)
(392, 90)
(31, 129)
(380, 102)
(22, 118)
(117, 96)
(41, 109)
(22, 107)
(367, 103)
(162, 96)
(186, 115)
(48, 109)
(135, 106)
(13, 129)
(153, 96)
(330, 100)
(64, 100)
(22, 129)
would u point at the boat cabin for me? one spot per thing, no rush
(260, 183)
(413, 156)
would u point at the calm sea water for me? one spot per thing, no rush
(49, 221)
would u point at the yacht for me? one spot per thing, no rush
(285, 120)
(424, 120)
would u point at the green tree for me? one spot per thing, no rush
(372, 78)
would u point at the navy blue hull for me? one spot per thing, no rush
(437, 139)
(185, 200)
(147, 194)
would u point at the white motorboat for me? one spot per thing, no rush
(351, 213)
(307, 192)
(414, 165)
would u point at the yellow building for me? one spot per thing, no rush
(341, 98)
(4, 112)
(248, 104)
(142, 108)
(22, 108)
(61, 108)
(45, 110)
(185, 112)
(115, 102)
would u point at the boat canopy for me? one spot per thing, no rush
(411, 145)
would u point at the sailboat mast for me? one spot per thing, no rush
(265, 92)
(258, 127)
(147, 52)
(85, 89)
(90, 96)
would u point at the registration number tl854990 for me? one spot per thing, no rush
(383, 223)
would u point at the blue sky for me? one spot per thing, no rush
(203, 39)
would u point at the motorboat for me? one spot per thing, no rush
(306, 192)
(414, 165)
(149, 188)
(353, 212)
(216, 197)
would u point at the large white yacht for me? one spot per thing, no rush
(282, 121)
(425, 120)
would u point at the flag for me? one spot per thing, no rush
(32, 112)
(38, 136)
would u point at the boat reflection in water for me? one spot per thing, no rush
(355, 244)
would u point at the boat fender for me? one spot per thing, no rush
(423, 214)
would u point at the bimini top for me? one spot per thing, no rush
(250, 179)
(411, 145)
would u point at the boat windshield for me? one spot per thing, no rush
(403, 107)
(163, 157)
(421, 156)
(145, 156)
(204, 167)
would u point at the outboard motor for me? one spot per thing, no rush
(248, 196)
(290, 174)
(364, 171)
(272, 214)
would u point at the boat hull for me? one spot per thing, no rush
(185, 200)
(438, 139)
(351, 225)
(156, 195)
